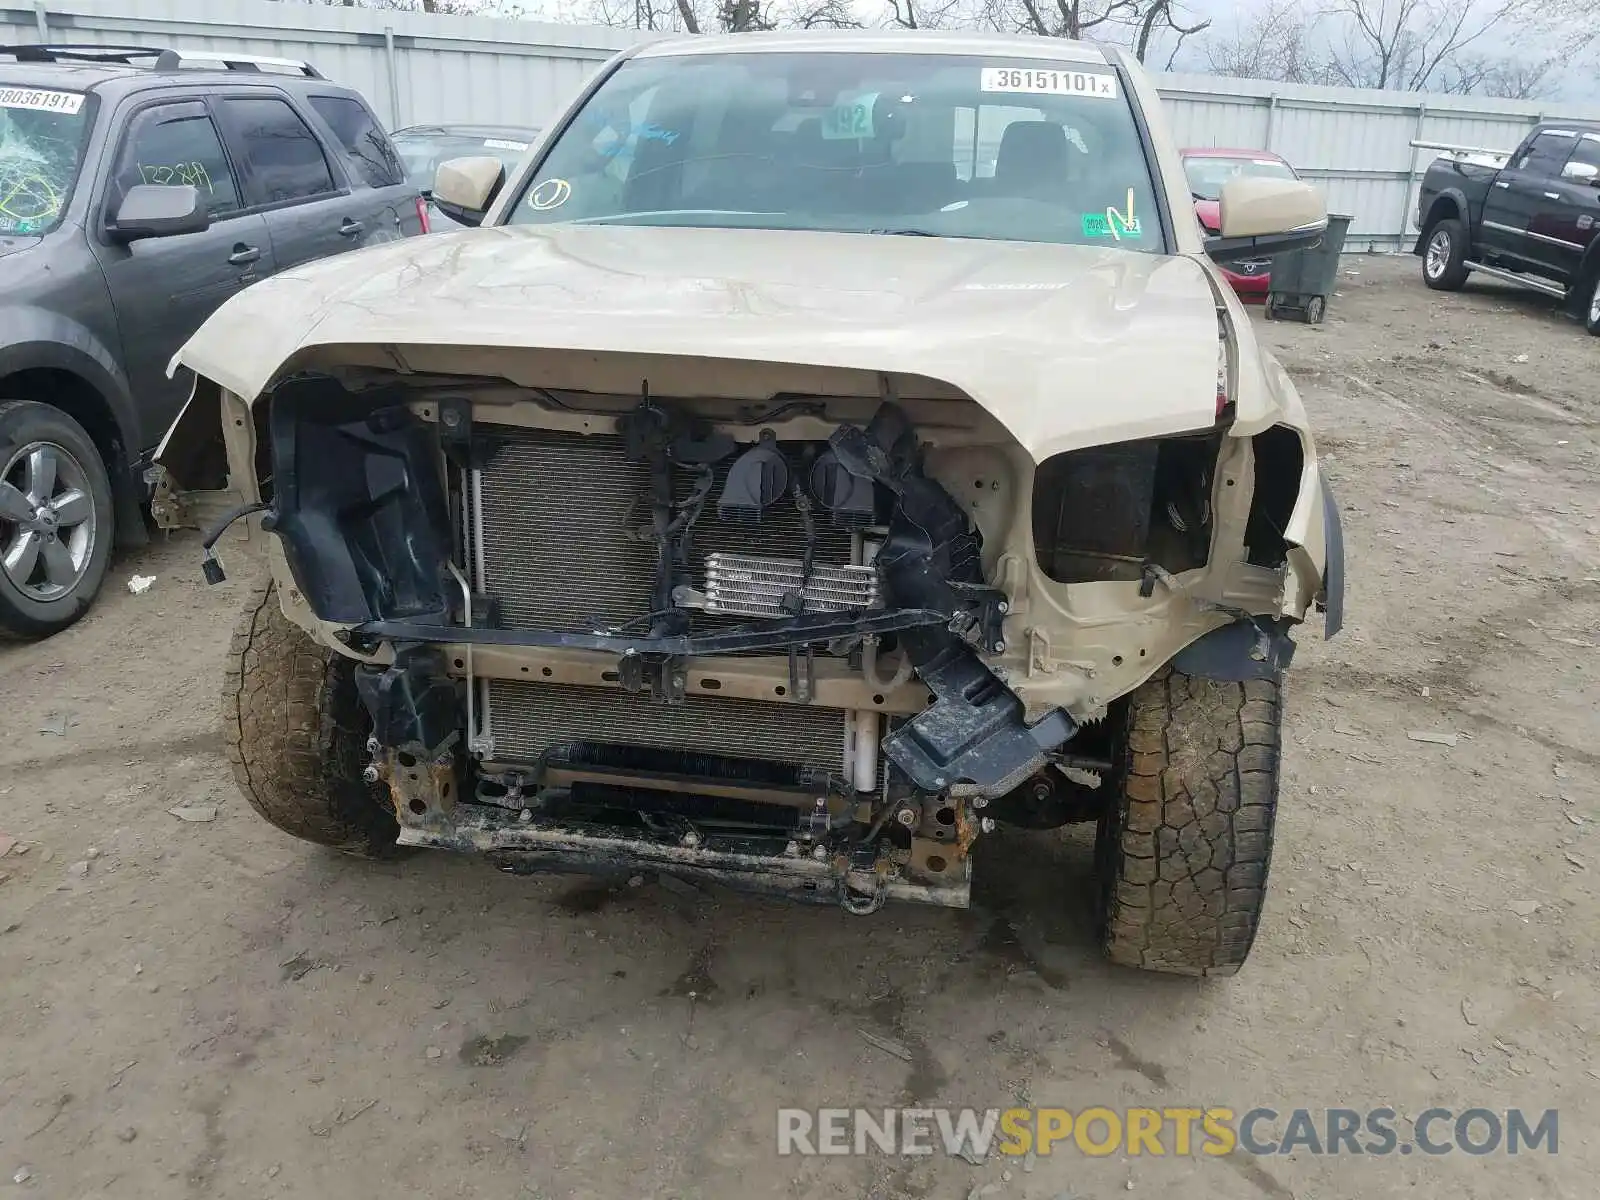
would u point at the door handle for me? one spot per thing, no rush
(1552, 195)
(1501, 183)
(243, 255)
(349, 227)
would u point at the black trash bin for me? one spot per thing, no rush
(1303, 280)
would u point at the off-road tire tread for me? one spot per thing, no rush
(23, 629)
(296, 734)
(1455, 272)
(1186, 841)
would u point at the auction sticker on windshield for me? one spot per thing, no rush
(1048, 83)
(40, 100)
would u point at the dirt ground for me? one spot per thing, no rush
(212, 1009)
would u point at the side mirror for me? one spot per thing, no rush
(1262, 217)
(464, 188)
(151, 210)
(1577, 172)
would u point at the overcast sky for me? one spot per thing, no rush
(1575, 88)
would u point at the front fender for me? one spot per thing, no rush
(203, 466)
(38, 339)
(1449, 195)
(1315, 537)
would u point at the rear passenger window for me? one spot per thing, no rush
(282, 158)
(363, 139)
(173, 144)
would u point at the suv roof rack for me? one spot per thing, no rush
(164, 59)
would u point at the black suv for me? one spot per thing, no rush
(139, 189)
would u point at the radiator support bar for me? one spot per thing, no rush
(804, 630)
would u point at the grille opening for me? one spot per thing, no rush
(642, 811)
(529, 719)
(684, 763)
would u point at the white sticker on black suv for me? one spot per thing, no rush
(41, 100)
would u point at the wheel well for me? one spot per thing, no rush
(83, 402)
(78, 399)
(1444, 209)
(1588, 268)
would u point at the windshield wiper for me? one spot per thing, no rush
(906, 232)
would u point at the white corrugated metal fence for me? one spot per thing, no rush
(417, 68)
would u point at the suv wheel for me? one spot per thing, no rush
(55, 520)
(296, 733)
(1444, 259)
(1186, 837)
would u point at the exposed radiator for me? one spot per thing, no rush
(529, 718)
(563, 515)
(562, 520)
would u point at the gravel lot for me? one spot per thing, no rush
(210, 1008)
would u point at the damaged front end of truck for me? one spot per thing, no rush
(808, 627)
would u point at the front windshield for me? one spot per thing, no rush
(41, 145)
(936, 144)
(1208, 173)
(423, 152)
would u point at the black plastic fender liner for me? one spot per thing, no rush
(974, 740)
(412, 702)
(1332, 597)
(1254, 649)
(359, 504)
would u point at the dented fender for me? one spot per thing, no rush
(195, 476)
(1315, 537)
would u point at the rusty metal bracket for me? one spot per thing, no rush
(422, 786)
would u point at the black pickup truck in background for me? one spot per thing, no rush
(1530, 217)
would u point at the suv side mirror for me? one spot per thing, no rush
(464, 188)
(152, 210)
(1262, 217)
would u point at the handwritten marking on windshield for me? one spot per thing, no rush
(1128, 223)
(548, 194)
(27, 198)
(171, 174)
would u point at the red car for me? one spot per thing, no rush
(1208, 169)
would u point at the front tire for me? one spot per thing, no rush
(56, 522)
(1444, 258)
(1591, 314)
(296, 734)
(1185, 841)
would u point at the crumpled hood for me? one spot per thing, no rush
(1065, 345)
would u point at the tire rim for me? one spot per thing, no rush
(1438, 254)
(1594, 305)
(47, 525)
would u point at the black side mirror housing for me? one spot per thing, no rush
(151, 210)
(1226, 250)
